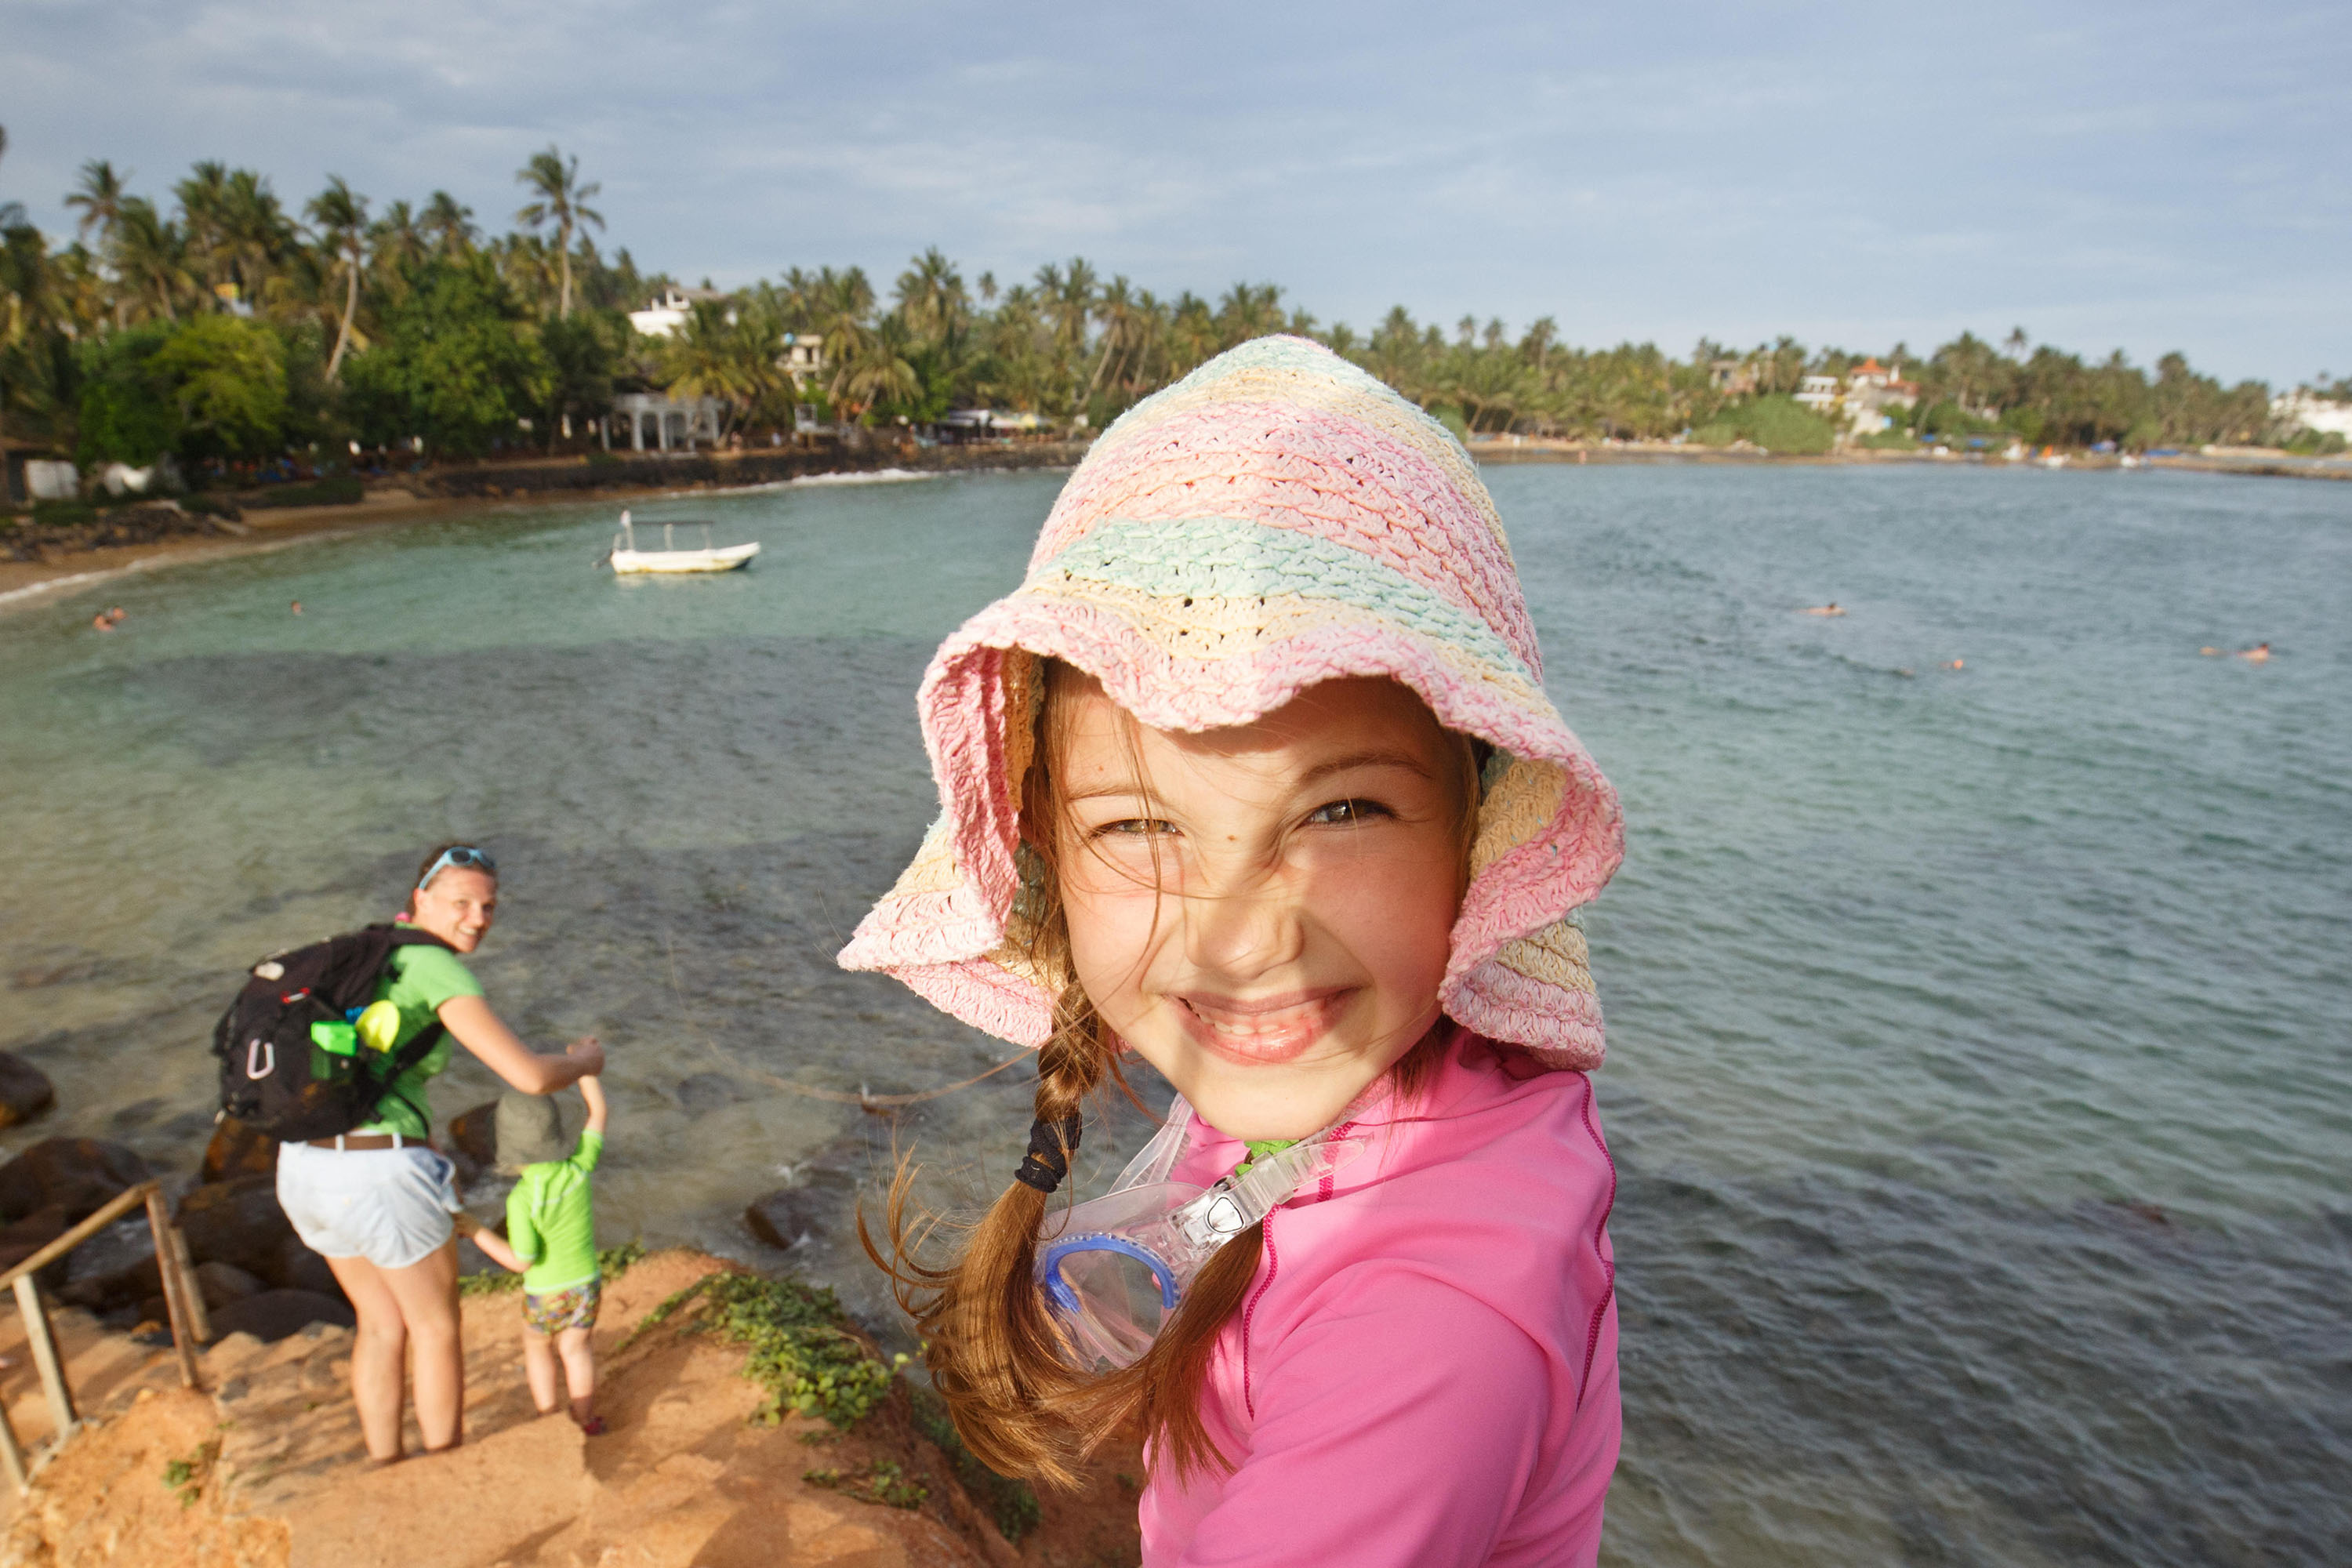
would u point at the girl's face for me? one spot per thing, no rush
(458, 907)
(1265, 912)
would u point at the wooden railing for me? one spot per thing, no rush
(183, 1302)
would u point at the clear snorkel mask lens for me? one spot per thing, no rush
(1112, 1269)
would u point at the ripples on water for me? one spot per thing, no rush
(1978, 1070)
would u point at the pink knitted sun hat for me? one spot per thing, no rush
(1276, 519)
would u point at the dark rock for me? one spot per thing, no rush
(299, 1269)
(114, 1268)
(36, 1229)
(785, 1216)
(707, 1091)
(474, 1134)
(26, 1236)
(137, 1114)
(236, 1151)
(236, 1222)
(78, 1174)
(25, 1089)
(222, 1283)
(274, 1314)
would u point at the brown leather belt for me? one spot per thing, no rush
(365, 1141)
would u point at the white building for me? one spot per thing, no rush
(1872, 389)
(656, 420)
(669, 313)
(1820, 393)
(2304, 407)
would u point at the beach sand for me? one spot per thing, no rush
(23, 583)
(685, 1476)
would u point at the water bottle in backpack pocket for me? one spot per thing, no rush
(302, 1050)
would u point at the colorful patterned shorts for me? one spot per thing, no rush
(560, 1309)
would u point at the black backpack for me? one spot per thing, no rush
(275, 1076)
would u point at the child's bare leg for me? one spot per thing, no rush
(539, 1362)
(579, 1373)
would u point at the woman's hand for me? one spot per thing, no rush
(480, 1030)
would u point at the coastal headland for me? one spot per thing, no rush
(263, 1466)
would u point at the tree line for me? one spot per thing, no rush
(231, 328)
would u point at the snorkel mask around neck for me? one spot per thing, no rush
(1113, 1269)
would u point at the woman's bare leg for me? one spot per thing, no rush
(428, 1294)
(379, 1354)
(538, 1362)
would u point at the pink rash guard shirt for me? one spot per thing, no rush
(1423, 1372)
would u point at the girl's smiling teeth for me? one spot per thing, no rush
(1266, 1029)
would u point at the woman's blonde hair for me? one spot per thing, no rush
(994, 1352)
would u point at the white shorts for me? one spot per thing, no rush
(391, 1206)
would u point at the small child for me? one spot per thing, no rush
(550, 1240)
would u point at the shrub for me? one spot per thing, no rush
(336, 489)
(1777, 422)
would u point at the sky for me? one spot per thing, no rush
(2147, 176)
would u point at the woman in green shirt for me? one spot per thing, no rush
(376, 1202)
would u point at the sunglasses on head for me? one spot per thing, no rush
(461, 855)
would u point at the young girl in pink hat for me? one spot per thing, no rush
(1254, 779)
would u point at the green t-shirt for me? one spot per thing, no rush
(417, 980)
(552, 1220)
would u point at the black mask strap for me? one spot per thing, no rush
(1051, 1144)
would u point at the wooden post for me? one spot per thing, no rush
(175, 1287)
(11, 1450)
(44, 1356)
(200, 1316)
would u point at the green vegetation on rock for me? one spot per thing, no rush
(1009, 1501)
(802, 1348)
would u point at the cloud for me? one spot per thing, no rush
(2152, 174)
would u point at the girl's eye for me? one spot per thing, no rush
(1348, 811)
(1134, 827)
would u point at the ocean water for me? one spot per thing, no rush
(1979, 1073)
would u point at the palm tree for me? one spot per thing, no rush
(707, 357)
(840, 304)
(99, 198)
(451, 224)
(879, 373)
(558, 200)
(203, 204)
(150, 259)
(255, 234)
(1116, 310)
(12, 214)
(1248, 311)
(932, 297)
(341, 215)
(397, 239)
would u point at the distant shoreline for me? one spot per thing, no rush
(446, 492)
(1507, 451)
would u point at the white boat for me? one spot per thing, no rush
(627, 557)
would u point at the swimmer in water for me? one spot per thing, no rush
(2258, 654)
(297, 606)
(1832, 608)
(1956, 663)
(98, 623)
